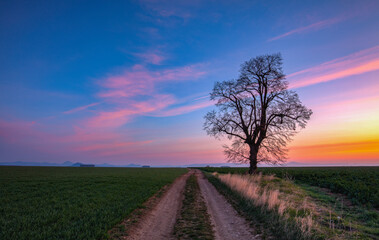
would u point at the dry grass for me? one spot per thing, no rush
(291, 203)
(264, 193)
(311, 211)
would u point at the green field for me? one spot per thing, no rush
(73, 203)
(360, 184)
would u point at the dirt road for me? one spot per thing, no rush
(159, 223)
(226, 221)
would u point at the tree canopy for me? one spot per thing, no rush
(257, 112)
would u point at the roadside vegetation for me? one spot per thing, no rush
(194, 221)
(359, 184)
(290, 210)
(73, 203)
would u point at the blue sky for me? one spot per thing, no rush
(123, 82)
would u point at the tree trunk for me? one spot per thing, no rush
(253, 160)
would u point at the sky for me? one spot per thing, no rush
(123, 82)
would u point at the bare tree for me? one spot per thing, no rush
(257, 112)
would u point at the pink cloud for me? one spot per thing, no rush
(312, 27)
(354, 64)
(82, 135)
(202, 97)
(186, 156)
(119, 149)
(141, 81)
(99, 142)
(96, 145)
(352, 105)
(74, 110)
(114, 146)
(134, 93)
(30, 135)
(13, 131)
(111, 119)
(130, 108)
(183, 109)
(153, 58)
(182, 150)
(89, 141)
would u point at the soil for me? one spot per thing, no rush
(158, 224)
(226, 221)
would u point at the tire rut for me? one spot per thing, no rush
(159, 223)
(228, 224)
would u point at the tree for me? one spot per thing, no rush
(257, 112)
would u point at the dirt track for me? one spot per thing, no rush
(159, 223)
(226, 221)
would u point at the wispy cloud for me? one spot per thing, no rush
(202, 97)
(168, 9)
(353, 103)
(78, 109)
(12, 130)
(112, 148)
(183, 109)
(122, 97)
(28, 136)
(140, 81)
(188, 149)
(354, 64)
(94, 142)
(134, 92)
(128, 109)
(151, 57)
(311, 27)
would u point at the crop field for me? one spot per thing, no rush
(73, 203)
(360, 184)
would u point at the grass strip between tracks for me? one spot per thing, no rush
(194, 221)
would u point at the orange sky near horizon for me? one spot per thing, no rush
(109, 86)
(345, 130)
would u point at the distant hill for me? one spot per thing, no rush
(65, 164)
(76, 164)
(19, 163)
(41, 164)
(132, 165)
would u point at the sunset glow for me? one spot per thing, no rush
(129, 83)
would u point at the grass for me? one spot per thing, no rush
(123, 229)
(360, 184)
(352, 217)
(317, 212)
(267, 223)
(73, 203)
(194, 220)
